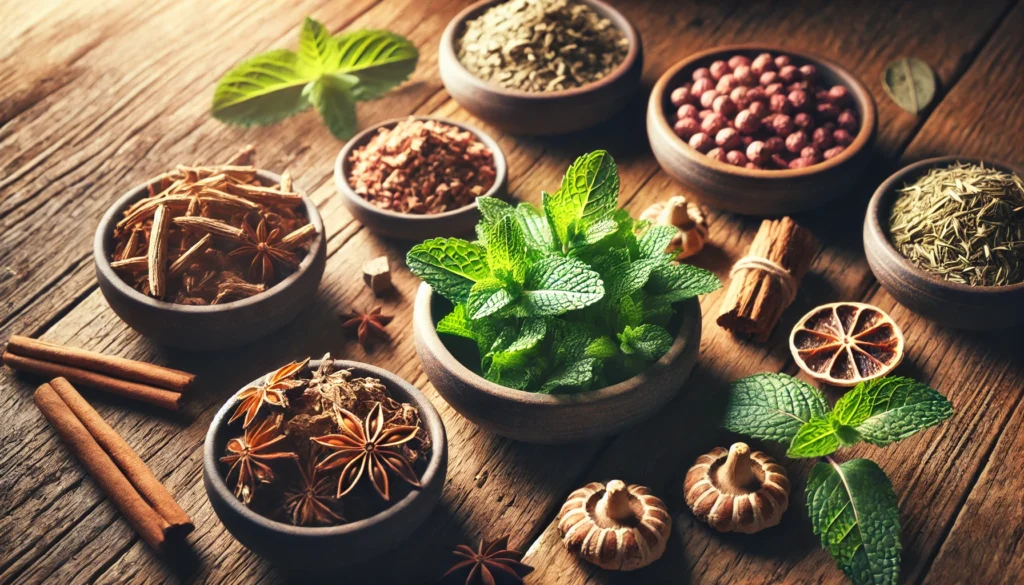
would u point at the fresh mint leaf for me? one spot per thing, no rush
(815, 438)
(557, 285)
(329, 72)
(577, 374)
(493, 209)
(655, 240)
(488, 296)
(677, 282)
(648, 341)
(886, 410)
(855, 512)
(629, 278)
(588, 194)
(627, 313)
(332, 97)
(506, 248)
(449, 265)
(657, 311)
(772, 406)
(458, 323)
(601, 348)
(535, 227)
(595, 232)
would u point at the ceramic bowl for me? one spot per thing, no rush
(755, 191)
(552, 418)
(541, 113)
(412, 226)
(210, 326)
(297, 547)
(948, 303)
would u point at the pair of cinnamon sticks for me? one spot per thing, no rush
(119, 471)
(140, 381)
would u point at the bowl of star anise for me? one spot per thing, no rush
(209, 257)
(326, 463)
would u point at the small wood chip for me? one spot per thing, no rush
(158, 252)
(377, 275)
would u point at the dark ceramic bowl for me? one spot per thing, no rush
(541, 113)
(552, 418)
(955, 305)
(211, 326)
(755, 191)
(412, 226)
(304, 548)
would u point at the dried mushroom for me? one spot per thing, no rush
(615, 527)
(737, 490)
(689, 218)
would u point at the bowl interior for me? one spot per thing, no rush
(342, 168)
(829, 72)
(884, 198)
(457, 27)
(103, 250)
(466, 359)
(220, 433)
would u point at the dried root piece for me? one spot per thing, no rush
(688, 218)
(737, 490)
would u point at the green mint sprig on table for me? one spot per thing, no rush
(330, 73)
(852, 505)
(574, 296)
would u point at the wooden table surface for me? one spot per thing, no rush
(97, 96)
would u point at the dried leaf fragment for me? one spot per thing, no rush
(910, 83)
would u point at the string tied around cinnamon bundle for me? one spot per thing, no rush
(784, 277)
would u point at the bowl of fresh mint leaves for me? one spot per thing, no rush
(559, 324)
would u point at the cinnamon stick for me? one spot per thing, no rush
(117, 367)
(147, 523)
(130, 464)
(149, 394)
(757, 296)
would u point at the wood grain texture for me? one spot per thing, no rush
(93, 105)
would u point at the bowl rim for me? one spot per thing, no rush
(689, 330)
(105, 231)
(341, 170)
(431, 422)
(873, 224)
(858, 90)
(620, 21)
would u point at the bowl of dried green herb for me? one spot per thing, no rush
(563, 324)
(287, 469)
(210, 257)
(541, 67)
(419, 177)
(945, 237)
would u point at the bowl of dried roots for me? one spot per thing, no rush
(208, 257)
(325, 463)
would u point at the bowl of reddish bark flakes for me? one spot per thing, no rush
(418, 177)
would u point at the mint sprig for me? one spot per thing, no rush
(330, 73)
(852, 505)
(573, 296)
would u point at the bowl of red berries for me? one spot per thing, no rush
(761, 131)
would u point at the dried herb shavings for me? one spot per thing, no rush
(963, 223)
(207, 235)
(541, 45)
(297, 451)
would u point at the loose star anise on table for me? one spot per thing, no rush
(248, 456)
(271, 391)
(490, 563)
(366, 324)
(309, 500)
(265, 247)
(367, 447)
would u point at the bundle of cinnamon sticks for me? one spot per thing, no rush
(119, 471)
(132, 379)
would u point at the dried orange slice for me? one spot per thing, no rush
(846, 343)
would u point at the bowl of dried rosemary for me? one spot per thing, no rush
(419, 177)
(541, 67)
(209, 257)
(325, 463)
(945, 237)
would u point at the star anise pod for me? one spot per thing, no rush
(368, 447)
(248, 456)
(366, 324)
(309, 500)
(490, 563)
(271, 391)
(264, 245)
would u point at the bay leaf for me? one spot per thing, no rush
(910, 83)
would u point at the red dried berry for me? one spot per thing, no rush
(737, 60)
(779, 104)
(762, 63)
(724, 105)
(811, 153)
(743, 75)
(702, 85)
(756, 152)
(822, 138)
(796, 141)
(713, 123)
(738, 95)
(827, 111)
(838, 95)
(718, 69)
(758, 109)
(726, 83)
(682, 95)
(686, 127)
(701, 73)
(799, 99)
(708, 97)
(789, 74)
(775, 145)
(781, 61)
(809, 72)
(727, 138)
(735, 157)
(767, 78)
(747, 122)
(833, 152)
(842, 137)
(686, 111)
(847, 120)
(800, 163)
(804, 121)
(774, 89)
(701, 142)
(717, 154)
(782, 125)
(757, 94)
